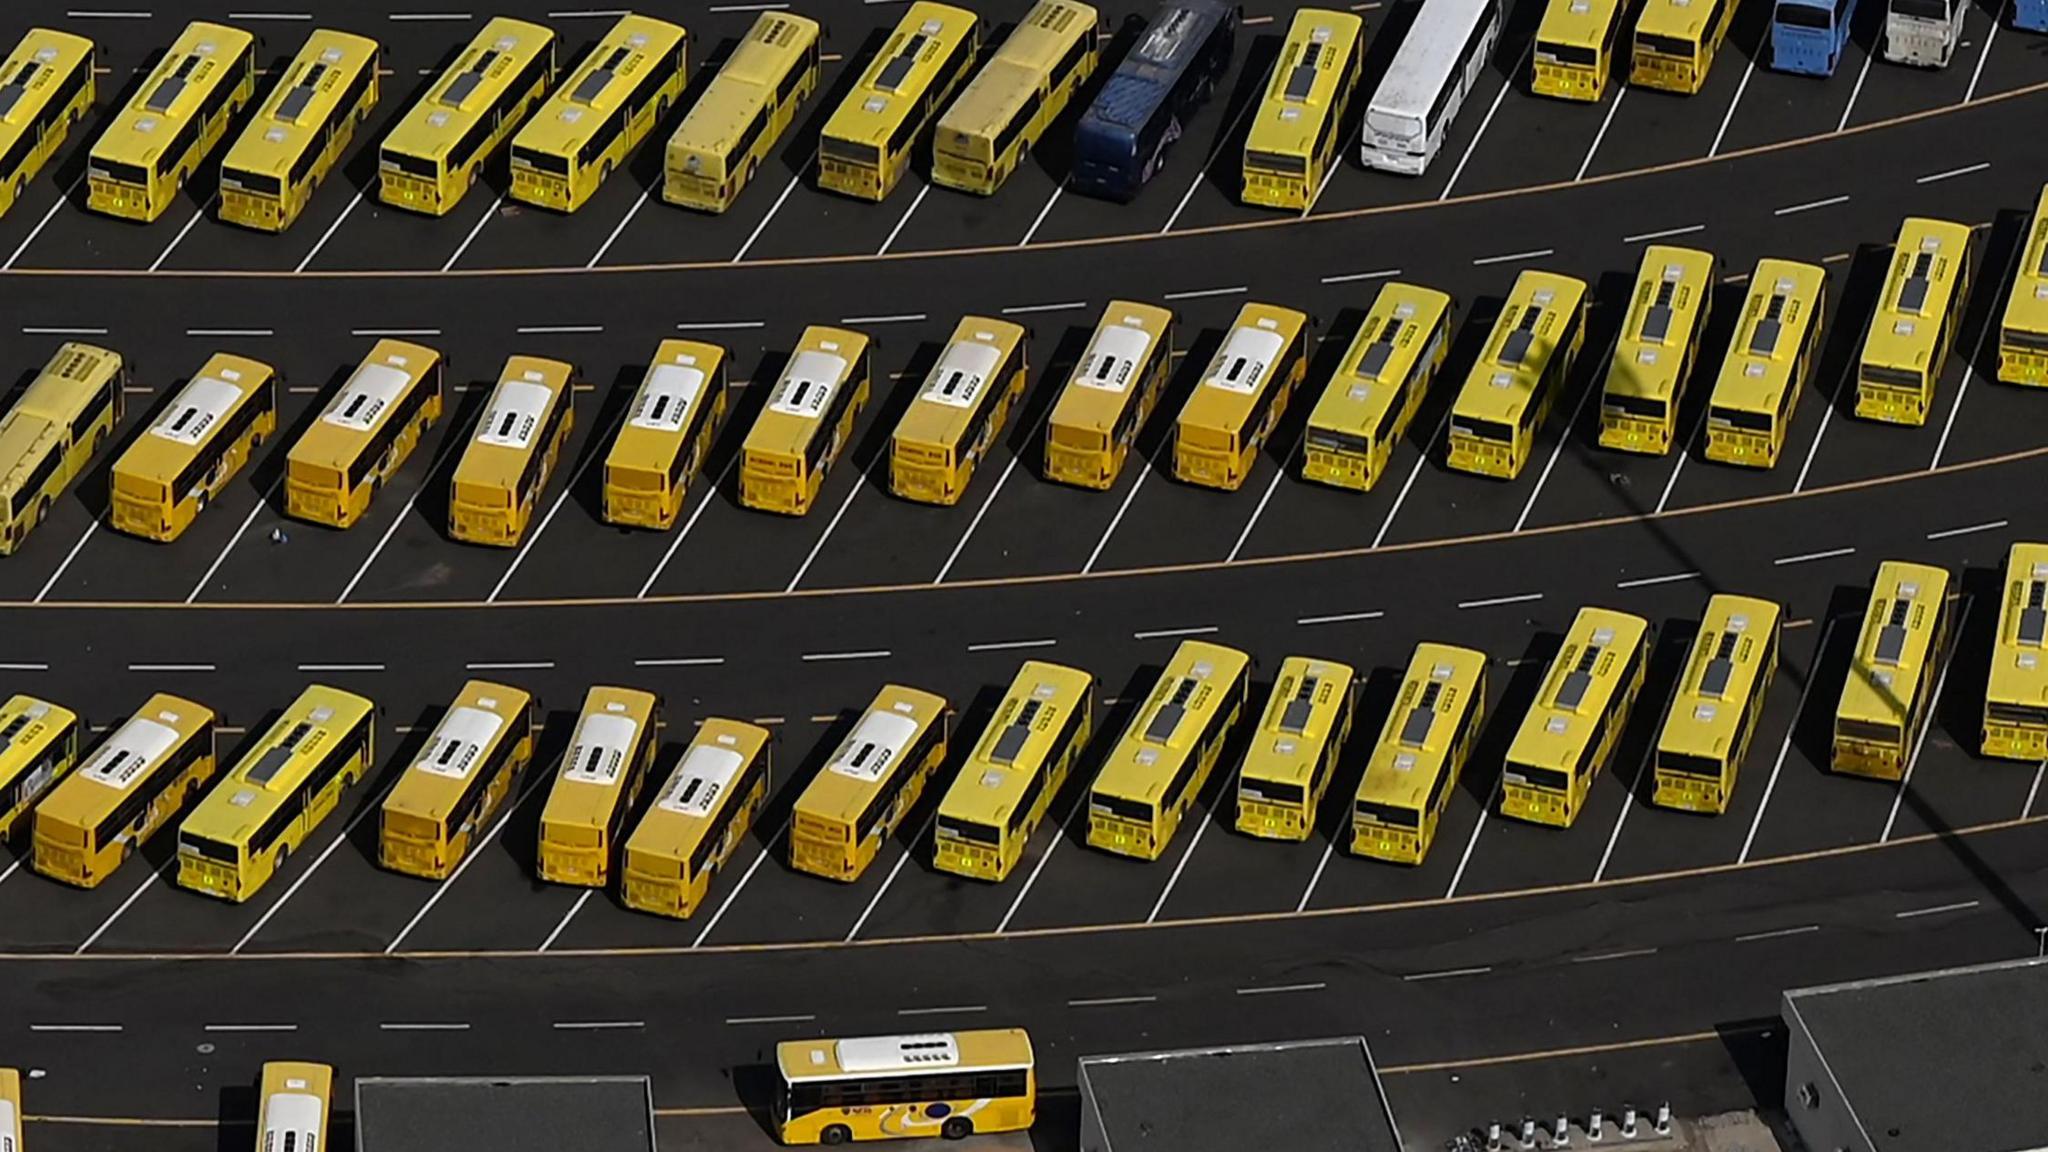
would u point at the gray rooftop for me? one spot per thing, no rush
(504, 1113)
(1193, 1100)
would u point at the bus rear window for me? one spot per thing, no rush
(970, 830)
(1738, 418)
(543, 161)
(1392, 815)
(208, 847)
(1687, 764)
(255, 182)
(1804, 16)
(1569, 54)
(1495, 431)
(421, 166)
(1277, 162)
(1665, 45)
(1548, 779)
(850, 152)
(120, 173)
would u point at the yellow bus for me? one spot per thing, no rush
(610, 754)
(1574, 53)
(143, 774)
(1292, 142)
(949, 1084)
(293, 1102)
(1241, 398)
(1570, 731)
(956, 416)
(864, 148)
(698, 819)
(301, 131)
(177, 116)
(1378, 387)
(39, 743)
(667, 434)
(1167, 751)
(985, 134)
(514, 449)
(716, 150)
(1518, 376)
(1294, 752)
(1023, 759)
(53, 431)
(10, 1109)
(270, 802)
(1110, 394)
(1889, 693)
(1770, 357)
(1718, 704)
(464, 773)
(588, 127)
(877, 773)
(1421, 752)
(365, 434)
(2016, 695)
(1908, 340)
(1656, 351)
(1676, 41)
(167, 475)
(432, 155)
(46, 86)
(2023, 330)
(807, 422)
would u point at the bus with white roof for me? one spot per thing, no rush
(1435, 69)
(947, 1084)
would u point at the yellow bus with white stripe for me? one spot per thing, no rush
(1718, 704)
(53, 432)
(1291, 146)
(592, 123)
(1109, 395)
(945, 1084)
(610, 755)
(1293, 753)
(854, 803)
(1378, 387)
(39, 744)
(462, 776)
(1908, 340)
(365, 434)
(1770, 357)
(1518, 376)
(277, 794)
(1574, 52)
(728, 133)
(698, 819)
(1241, 397)
(864, 149)
(10, 1110)
(984, 135)
(2016, 693)
(2023, 328)
(47, 84)
(1656, 351)
(512, 452)
(432, 156)
(1421, 751)
(1165, 755)
(1002, 792)
(176, 118)
(1888, 696)
(807, 422)
(199, 443)
(1570, 731)
(141, 776)
(300, 132)
(1676, 41)
(959, 411)
(674, 417)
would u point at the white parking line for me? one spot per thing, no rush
(1647, 581)
(1805, 557)
(888, 881)
(1938, 909)
(232, 541)
(337, 842)
(1624, 954)
(1186, 854)
(710, 494)
(1635, 786)
(250, 1028)
(327, 235)
(1969, 371)
(430, 16)
(2025, 809)
(1446, 974)
(891, 318)
(987, 502)
(1663, 234)
(509, 666)
(1203, 171)
(721, 325)
(1977, 73)
(1401, 497)
(1478, 826)
(1110, 1001)
(1064, 830)
(863, 654)
(170, 668)
(1671, 481)
(15, 666)
(773, 209)
(1775, 933)
(1913, 758)
(1030, 309)
(1564, 436)
(1199, 293)
(1827, 413)
(1987, 526)
(36, 331)
(680, 662)
(767, 850)
(1771, 785)
(771, 7)
(1010, 645)
(422, 1026)
(1353, 277)
(1729, 116)
(619, 227)
(1512, 257)
(454, 442)
(36, 231)
(1952, 173)
(1281, 989)
(563, 924)
(597, 1025)
(1336, 618)
(558, 329)
(1594, 148)
(1170, 633)
(1497, 601)
(819, 546)
(107, 14)
(1117, 519)
(1855, 92)
(588, 14)
(231, 333)
(478, 227)
(395, 333)
(475, 850)
(795, 1018)
(1042, 213)
(902, 220)
(74, 1027)
(1520, 69)
(1810, 205)
(270, 16)
(180, 237)
(1259, 509)
(147, 882)
(943, 1010)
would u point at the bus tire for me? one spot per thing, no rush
(43, 510)
(283, 854)
(957, 1128)
(836, 1134)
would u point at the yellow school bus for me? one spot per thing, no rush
(1908, 340)
(698, 819)
(986, 133)
(592, 123)
(610, 754)
(1518, 376)
(269, 803)
(292, 1107)
(1718, 704)
(365, 434)
(1110, 394)
(46, 85)
(948, 1084)
(1569, 732)
(877, 773)
(462, 776)
(716, 150)
(2016, 693)
(807, 422)
(168, 474)
(1294, 752)
(1655, 353)
(1772, 353)
(2023, 329)
(514, 449)
(1292, 143)
(1676, 41)
(958, 413)
(175, 119)
(1166, 752)
(10, 1109)
(53, 431)
(39, 744)
(668, 432)
(1421, 752)
(140, 777)
(300, 132)
(1378, 387)
(1002, 792)
(1241, 398)
(432, 155)
(865, 146)
(1574, 53)
(1888, 696)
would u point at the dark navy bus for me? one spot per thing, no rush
(1123, 137)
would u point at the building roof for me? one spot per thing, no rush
(1192, 1100)
(504, 1113)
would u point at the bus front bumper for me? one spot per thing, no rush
(1481, 458)
(530, 187)
(1665, 73)
(1565, 83)
(2020, 367)
(1272, 190)
(964, 175)
(848, 180)
(1123, 838)
(2007, 742)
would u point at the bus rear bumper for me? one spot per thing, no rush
(1805, 53)
(1207, 469)
(1635, 436)
(1337, 471)
(1890, 405)
(138, 518)
(210, 880)
(414, 195)
(1375, 843)
(575, 868)
(413, 859)
(123, 201)
(2024, 368)
(1749, 451)
(1922, 44)
(660, 896)
(963, 175)
(1547, 808)
(922, 483)
(314, 505)
(489, 527)
(638, 512)
(1081, 469)
(969, 861)
(773, 494)
(2007, 742)
(62, 863)
(1854, 758)
(1386, 160)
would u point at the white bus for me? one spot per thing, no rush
(1438, 64)
(1923, 32)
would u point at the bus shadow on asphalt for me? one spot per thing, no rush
(887, 401)
(1029, 426)
(586, 481)
(359, 168)
(2000, 251)
(1813, 730)
(266, 470)
(1378, 690)
(1855, 299)
(363, 833)
(1054, 152)
(1513, 688)
(459, 414)
(966, 725)
(776, 815)
(1109, 728)
(1468, 340)
(721, 465)
(1637, 748)
(799, 151)
(1224, 166)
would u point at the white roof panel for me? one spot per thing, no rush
(136, 745)
(368, 394)
(600, 749)
(1112, 359)
(515, 414)
(698, 782)
(961, 374)
(877, 742)
(808, 383)
(458, 741)
(666, 397)
(200, 405)
(1244, 360)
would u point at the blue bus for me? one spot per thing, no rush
(1807, 35)
(1123, 137)
(2031, 15)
